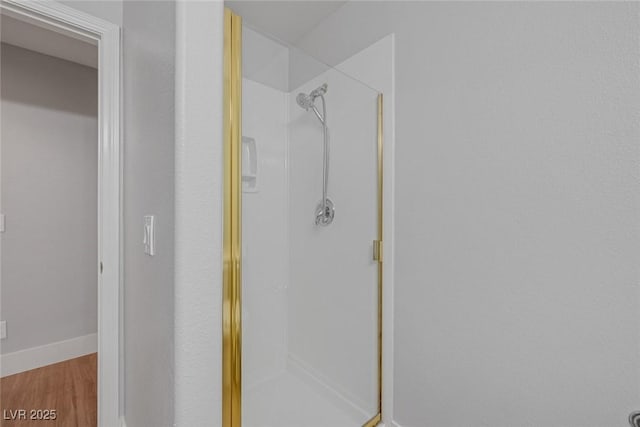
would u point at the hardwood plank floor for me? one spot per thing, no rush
(68, 387)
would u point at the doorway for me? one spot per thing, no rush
(49, 200)
(60, 200)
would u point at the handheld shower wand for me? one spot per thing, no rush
(325, 210)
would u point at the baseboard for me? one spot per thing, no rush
(37, 357)
(323, 386)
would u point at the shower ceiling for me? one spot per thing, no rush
(289, 21)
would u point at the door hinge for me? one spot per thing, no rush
(377, 250)
(101, 267)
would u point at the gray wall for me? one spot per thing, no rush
(109, 10)
(148, 91)
(49, 194)
(148, 66)
(148, 142)
(517, 208)
(149, 62)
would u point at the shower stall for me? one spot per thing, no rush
(303, 229)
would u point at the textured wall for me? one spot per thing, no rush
(517, 208)
(149, 138)
(49, 194)
(198, 230)
(109, 10)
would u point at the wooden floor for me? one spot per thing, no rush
(68, 387)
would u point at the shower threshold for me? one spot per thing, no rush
(288, 401)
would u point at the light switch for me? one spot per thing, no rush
(3, 329)
(1, 223)
(149, 239)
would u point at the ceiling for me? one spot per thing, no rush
(287, 21)
(41, 40)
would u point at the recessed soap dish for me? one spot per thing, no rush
(249, 165)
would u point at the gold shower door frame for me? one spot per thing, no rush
(232, 233)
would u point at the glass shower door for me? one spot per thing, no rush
(310, 288)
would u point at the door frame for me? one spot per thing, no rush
(106, 36)
(232, 240)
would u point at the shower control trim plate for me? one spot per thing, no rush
(325, 212)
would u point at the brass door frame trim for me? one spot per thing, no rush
(373, 421)
(380, 129)
(232, 223)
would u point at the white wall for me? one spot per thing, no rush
(149, 64)
(517, 205)
(198, 214)
(49, 195)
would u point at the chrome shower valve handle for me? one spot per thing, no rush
(325, 212)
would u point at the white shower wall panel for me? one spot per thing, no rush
(310, 294)
(264, 236)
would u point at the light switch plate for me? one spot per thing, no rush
(149, 239)
(3, 329)
(1, 223)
